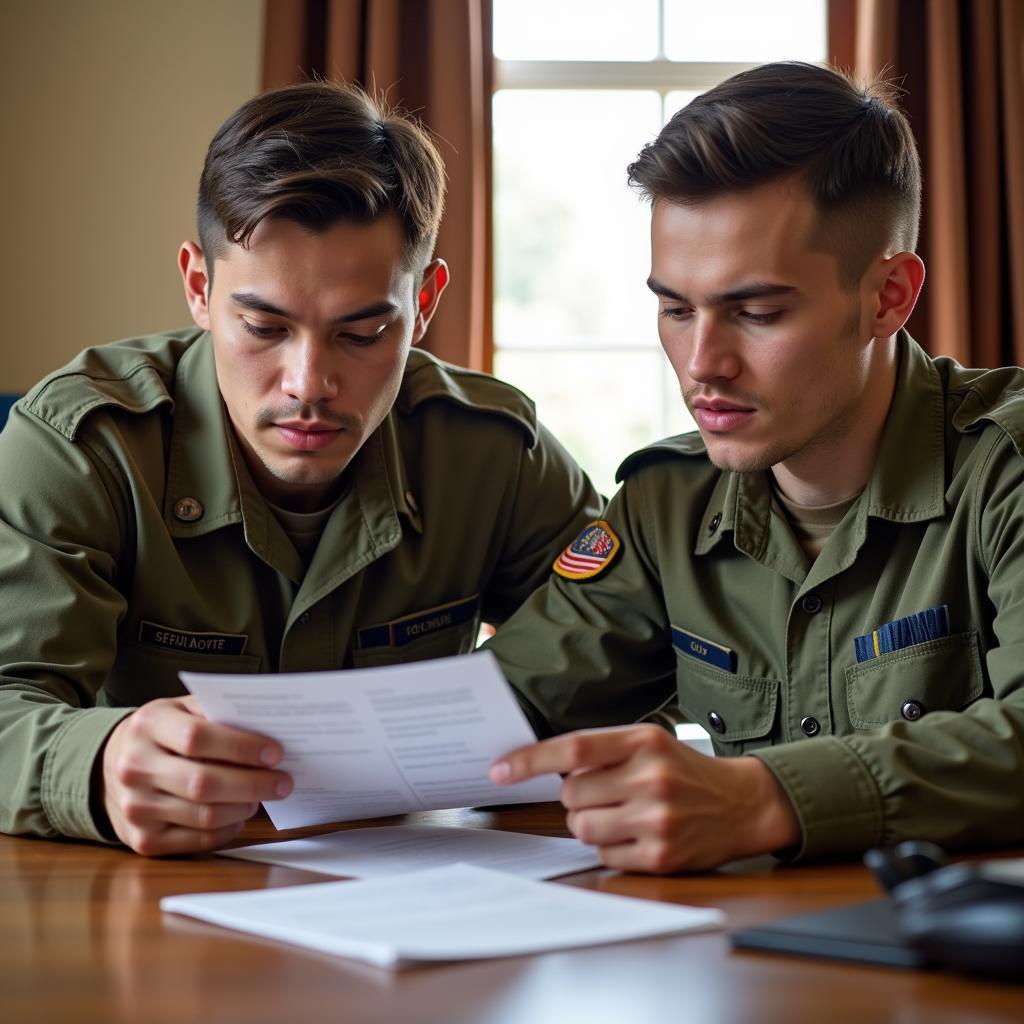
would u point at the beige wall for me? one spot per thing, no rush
(106, 111)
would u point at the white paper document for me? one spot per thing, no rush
(458, 912)
(364, 743)
(399, 849)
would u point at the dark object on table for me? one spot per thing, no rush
(969, 917)
(966, 916)
(865, 933)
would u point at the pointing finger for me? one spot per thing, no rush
(592, 748)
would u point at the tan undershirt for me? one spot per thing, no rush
(304, 528)
(812, 525)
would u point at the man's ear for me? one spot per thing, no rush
(435, 280)
(896, 284)
(192, 265)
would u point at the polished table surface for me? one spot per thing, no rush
(82, 939)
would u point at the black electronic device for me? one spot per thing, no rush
(968, 917)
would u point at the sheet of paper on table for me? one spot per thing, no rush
(369, 742)
(458, 912)
(399, 849)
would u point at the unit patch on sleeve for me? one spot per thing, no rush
(590, 553)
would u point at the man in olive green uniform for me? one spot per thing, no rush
(830, 574)
(287, 487)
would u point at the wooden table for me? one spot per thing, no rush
(82, 939)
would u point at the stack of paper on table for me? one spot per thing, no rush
(364, 743)
(398, 849)
(458, 912)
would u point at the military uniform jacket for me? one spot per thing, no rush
(130, 549)
(883, 684)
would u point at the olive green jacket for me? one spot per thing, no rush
(130, 549)
(712, 602)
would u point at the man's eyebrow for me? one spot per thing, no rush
(252, 301)
(755, 290)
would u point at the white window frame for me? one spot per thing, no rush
(659, 75)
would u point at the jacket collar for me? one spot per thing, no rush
(200, 467)
(908, 482)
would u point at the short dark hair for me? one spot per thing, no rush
(851, 148)
(319, 153)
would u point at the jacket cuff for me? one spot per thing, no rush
(837, 802)
(68, 771)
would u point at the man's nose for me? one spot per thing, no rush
(712, 353)
(309, 375)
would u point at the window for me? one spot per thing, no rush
(580, 86)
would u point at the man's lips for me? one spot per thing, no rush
(307, 436)
(719, 416)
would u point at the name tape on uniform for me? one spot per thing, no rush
(186, 640)
(704, 650)
(400, 632)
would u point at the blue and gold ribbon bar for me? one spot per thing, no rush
(919, 628)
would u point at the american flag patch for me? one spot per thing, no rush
(590, 553)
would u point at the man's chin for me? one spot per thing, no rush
(302, 477)
(736, 459)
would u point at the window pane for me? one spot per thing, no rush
(676, 418)
(600, 405)
(575, 29)
(745, 30)
(676, 100)
(572, 247)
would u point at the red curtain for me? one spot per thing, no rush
(434, 60)
(962, 66)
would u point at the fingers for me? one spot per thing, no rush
(201, 782)
(588, 748)
(649, 857)
(139, 761)
(596, 787)
(174, 782)
(179, 726)
(621, 850)
(650, 841)
(155, 824)
(159, 808)
(172, 839)
(600, 826)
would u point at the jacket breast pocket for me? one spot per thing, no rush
(143, 672)
(938, 675)
(738, 711)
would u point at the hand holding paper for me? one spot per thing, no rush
(174, 782)
(371, 742)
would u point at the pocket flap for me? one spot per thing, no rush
(938, 675)
(143, 672)
(745, 706)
